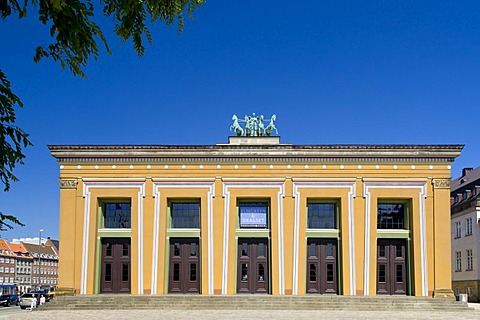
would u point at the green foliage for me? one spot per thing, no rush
(130, 17)
(12, 142)
(12, 138)
(76, 39)
(74, 32)
(7, 221)
(77, 35)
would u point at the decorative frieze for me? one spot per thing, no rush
(441, 183)
(68, 184)
(248, 158)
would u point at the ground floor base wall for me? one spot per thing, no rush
(470, 287)
(271, 236)
(443, 294)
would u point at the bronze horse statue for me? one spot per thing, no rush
(271, 126)
(236, 126)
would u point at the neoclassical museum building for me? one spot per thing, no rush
(256, 216)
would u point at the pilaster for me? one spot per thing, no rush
(442, 257)
(68, 265)
(359, 234)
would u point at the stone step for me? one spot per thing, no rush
(252, 302)
(244, 298)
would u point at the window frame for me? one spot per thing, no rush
(262, 202)
(102, 203)
(458, 229)
(458, 261)
(406, 213)
(336, 212)
(173, 202)
(469, 266)
(469, 226)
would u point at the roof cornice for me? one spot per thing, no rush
(258, 153)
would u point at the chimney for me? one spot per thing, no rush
(469, 194)
(452, 201)
(477, 188)
(465, 171)
(460, 197)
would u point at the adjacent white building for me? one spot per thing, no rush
(465, 234)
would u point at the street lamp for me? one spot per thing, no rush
(39, 256)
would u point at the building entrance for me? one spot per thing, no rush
(322, 266)
(184, 276)
(115, 273)
(391, 266)
(253, 266)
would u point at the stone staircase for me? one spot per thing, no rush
(252, 302)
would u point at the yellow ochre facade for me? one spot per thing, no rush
(256, 216)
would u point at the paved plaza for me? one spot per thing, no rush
(17, 314)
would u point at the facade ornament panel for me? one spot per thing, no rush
(68, 184)
(441, 183)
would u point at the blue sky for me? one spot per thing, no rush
(334, 72)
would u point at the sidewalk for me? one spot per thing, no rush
(476, 306)
(236, 314)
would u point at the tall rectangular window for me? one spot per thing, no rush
(469, 229)
(391, 216)
(458, 261)
(458, 229)
(117, 215)
(253, 215)
(185, 215)
(321, 216)
(469, 259)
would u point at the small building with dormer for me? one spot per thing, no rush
(465, 233)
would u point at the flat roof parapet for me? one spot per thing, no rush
(253, 140)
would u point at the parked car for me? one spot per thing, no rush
(25, 300)
(7, 300)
